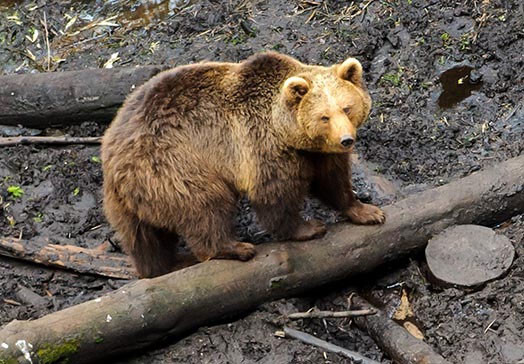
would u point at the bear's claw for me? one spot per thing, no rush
(365, 214)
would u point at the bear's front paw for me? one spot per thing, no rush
(245, 251)
(312, 229)
(365, 214)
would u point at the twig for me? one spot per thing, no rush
(85, 41)
(12, 302)
(510, 115)
(489, 326)
(330, 314)
(47, 43)
(312, 340)
(24, 140)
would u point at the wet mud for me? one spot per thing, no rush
(447, 84)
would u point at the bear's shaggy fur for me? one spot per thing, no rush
(187, 143)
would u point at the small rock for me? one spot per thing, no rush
(469, 255)
(13, 131)
(475, 76)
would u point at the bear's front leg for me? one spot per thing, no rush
(277, 204)
(332, 185)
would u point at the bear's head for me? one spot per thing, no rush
(325, 106)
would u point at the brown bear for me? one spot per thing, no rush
(185, 145)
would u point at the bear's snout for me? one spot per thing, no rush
(347, 141)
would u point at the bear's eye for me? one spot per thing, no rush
(324, 119)
(347, 109)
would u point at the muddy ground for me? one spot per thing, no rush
(427, 127)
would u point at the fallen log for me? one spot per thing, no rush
(60, 98)
(147, 310)
(64, 140)
(400, 345)
(81, 260)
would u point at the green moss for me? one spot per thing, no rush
(277, 282)
(59, 353)
(8, 361)
(99, 340)
(393, 78)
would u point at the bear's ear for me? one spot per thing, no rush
(350, 70)
(295, 88)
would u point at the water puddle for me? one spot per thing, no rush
(143, 12)
(129, 12)
(457, 85)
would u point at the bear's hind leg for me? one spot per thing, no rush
(214, 240)
(152, 250)
(207, 226)
(277, 204)
(154, 253)
(236, 250)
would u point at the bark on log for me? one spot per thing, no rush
(87, 261)
(61, 98)
(147, 310)
(400, 345)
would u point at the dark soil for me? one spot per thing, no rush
(410, 143)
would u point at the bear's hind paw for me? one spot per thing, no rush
(237, 250)
(308, 230)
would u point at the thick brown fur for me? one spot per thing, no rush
(186, 144)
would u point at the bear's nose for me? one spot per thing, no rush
(346, 141)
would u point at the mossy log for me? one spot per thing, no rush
(147, 310)
(41, 100)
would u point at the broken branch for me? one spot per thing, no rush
(82, 260)
(400, 345)
(330, 314)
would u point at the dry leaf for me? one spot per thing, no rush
(404, 309)
(413, 330)
(114, 57)
(30, 55)
(57, 59)
(14, 18)
(33, 37)
(70, 23)
(279, 334)
(153, 46)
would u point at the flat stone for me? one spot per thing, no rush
(469, 255)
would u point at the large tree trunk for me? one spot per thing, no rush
(146, 310)
(61, 98)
